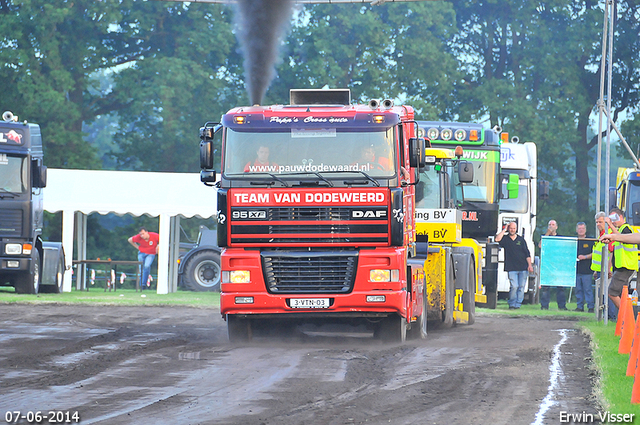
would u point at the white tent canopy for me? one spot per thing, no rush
(164, 195)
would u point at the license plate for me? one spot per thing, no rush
(309, 302)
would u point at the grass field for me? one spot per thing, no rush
(613, 387)
(125, 297)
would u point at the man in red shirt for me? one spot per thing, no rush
(147, 245)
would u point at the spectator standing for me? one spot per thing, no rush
(517, 262)
(625, 256)
(545, 292)
(584, 276)
(147, 245)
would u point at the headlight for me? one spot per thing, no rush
(13, 249)
(377, 275)
(236, 276)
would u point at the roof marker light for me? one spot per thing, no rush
(239, 119)
(378, 119)
(433, 133)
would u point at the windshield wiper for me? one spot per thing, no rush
(315, 173)
(4, 192)
(364, 174)
(273, 176)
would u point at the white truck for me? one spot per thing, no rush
(520, 159)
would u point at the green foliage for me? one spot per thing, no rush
(49, 47)
(190, 74)
(614, 387)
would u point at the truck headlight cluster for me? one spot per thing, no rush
(378, 275)
(17, 249)
(236, 276)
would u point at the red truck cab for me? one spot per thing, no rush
(316, 213)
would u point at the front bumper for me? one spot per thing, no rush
(7, 262)
(354, 304)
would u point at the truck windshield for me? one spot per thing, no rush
(14, 177)
(309, 151)
(483, 187)
(516, 205)
(428, 193)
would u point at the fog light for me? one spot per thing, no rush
(376, 298)
(244, 300)
(236, 276)
(13, 264)
(13, 249)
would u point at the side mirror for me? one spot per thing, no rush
(543, 189)
(207, 133)
(208, 177)
(206, 154)
(635, 214)
(39, 174)
(416, 152)
(513, 186)
(613, 198)
(465, 171)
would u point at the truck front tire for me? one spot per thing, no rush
(27, 282)
(392, 329)
(419, 328)
(202, 272)
(238, 329)
(469, 297)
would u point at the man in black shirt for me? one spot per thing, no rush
(584, 291)
(517, 262)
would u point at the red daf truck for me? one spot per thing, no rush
(316, 203)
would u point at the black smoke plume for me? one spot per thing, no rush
(262, 24)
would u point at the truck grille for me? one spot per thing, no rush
(367, 225)
(309, 272)
(10, 223)
(309, 213)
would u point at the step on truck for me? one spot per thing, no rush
(26, 262)
(316, 209)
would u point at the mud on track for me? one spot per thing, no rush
(170, 365)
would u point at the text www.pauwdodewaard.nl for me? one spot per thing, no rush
(307, 168)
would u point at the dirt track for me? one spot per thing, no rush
(123, 365)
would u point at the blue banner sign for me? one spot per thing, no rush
(558, 261)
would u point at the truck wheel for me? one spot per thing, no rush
(27, 283)
(238, 329)
(202, 272)
(492, 300)
(532, 292)
(419, 329)
(392, 329)
(59, 279)
(469, 297)
(450, 293)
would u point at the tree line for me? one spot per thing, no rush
(125, 84)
